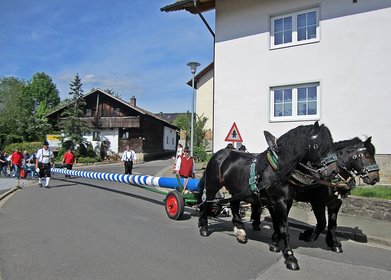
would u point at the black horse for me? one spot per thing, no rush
(355, 157)
(253, 179)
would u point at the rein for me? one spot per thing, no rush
(302, 179)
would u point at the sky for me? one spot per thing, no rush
(129, 46)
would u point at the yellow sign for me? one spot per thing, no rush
(53, 137)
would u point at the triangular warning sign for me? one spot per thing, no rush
(234, 134)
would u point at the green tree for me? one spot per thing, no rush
(199, 132)
(73, 126)
(183, 121)
(43, 93)
(12, 110)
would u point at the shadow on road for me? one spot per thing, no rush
(110, 190)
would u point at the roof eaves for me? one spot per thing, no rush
(188, 5)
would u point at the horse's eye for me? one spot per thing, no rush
(354, 156)
(315, 146)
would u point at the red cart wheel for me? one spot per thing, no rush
(174, 205)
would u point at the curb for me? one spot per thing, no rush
(7, 193)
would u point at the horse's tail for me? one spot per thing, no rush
(201, 187)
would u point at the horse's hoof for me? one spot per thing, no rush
(204, 232)
(336, 249)
(242, 239)
(307, 236)
(274, 248)
(241, 235)
(291, 263)
(257, 227)
(292, 266)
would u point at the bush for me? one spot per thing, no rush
(200, 154)
(30, 147)
(87, 160)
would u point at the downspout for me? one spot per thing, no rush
(203, 19)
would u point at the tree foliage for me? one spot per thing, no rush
(12, 110)
(43, 93)
(72, 124)
(183, 121)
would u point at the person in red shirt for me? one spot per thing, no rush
(185, 166)
(69, 159)
(17, 160)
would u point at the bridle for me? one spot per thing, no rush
(366, 168)
(318, 168)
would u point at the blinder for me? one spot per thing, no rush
(365, 167)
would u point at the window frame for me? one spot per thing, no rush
(96, 136)
(295, 116)
(88, 112)
(294, 35)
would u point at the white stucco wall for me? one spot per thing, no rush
(110, 134)
(352, 63)
(169, 139)
(204, 100)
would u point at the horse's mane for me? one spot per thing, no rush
(292, 147)
(355, 141)
(346, 143)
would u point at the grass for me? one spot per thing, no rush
(382, 192)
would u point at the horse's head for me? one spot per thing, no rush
(360, 158)
(321, 151)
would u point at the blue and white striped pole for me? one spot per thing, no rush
(138, 180)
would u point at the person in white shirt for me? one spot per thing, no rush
(179, 151)
(44, 160)
(129, 157)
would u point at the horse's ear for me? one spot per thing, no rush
(316, 124)
(368, 140)
(270, 139)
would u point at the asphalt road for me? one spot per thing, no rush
(89, 229)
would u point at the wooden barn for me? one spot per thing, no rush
(117, 123)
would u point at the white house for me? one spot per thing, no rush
(204, 99)
(284, 63)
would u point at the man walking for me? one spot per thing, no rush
(17, 160)
(128, 157)
(69, 159)
(45, 158)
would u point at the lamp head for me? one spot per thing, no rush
(193, 66)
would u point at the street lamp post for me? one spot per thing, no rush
(193, 68)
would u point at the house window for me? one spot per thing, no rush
(116, 112)
(96, 136)
(88, 113)
(295, 103)
(295, 28)
(124, 134)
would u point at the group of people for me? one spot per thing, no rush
(38, 163)
(43, 160)
(11, 165)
